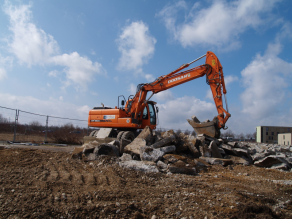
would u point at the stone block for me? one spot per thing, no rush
(106, 149)
(134, 146)
(77, 153)
(217, 161)
(150, 154)
(126, 157)
(182, 168)
(214, 150)
(143, 166)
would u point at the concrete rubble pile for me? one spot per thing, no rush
(168, 152)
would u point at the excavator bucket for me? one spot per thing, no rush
(208, 127)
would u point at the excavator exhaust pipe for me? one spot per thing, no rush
(208, 127)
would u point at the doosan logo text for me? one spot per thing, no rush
(179, 78)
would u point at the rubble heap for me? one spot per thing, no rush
(168, 152)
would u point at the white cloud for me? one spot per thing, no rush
(218, 25)
(116, 78)
(3, 74)
(132, 89)
(149, 77)
(165, 95)
(53, 73)
(174, 113)
(32, 46)
(61, 98)
(136, 46)
(29, 44)
(48, 85)
(266, 79)
(79, 70)
(50, 107)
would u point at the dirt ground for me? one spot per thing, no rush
(38, 183)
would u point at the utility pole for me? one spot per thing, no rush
(15, 123)
(47, 122)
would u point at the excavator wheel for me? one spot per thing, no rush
(93, 133)
(128, 135)
(120, 134)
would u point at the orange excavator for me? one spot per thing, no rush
(139, 112)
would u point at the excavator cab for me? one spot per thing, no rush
(150, 115)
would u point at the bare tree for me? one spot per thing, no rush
(248, 136)
(35, 125)
(194, 133)
(187, 132)
(178, 131)
(240, 136)
(228, 133)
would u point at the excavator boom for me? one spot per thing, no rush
(214, 77)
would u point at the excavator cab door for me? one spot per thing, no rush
(152, 113)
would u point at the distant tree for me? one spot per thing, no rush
(194, 133)
(187, 132)
(228, 133)
(35, 125)
(248, 135)
(240, 136)
(178, 131)
(3, 120)
(254, 135)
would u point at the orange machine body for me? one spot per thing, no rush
(139, 112)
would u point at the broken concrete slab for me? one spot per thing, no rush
(167, 133)
(92, 156)
(143, 166)
(182, 168)
(103, 132)
(271, 160)
(147, 135)
(280, 166)
(218, 161)
(161, 165)
(77, 153)
(214, 150)
(205, 151)
(123, 144)
(126, 157)
(240, 152)
(168, 149)
(239, 160)
(134, 146)
(164, 142)
(172, 158)
(106, 149)
(150, 154)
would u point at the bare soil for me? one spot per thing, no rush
(38, 183)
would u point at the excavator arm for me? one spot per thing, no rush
(214, 77)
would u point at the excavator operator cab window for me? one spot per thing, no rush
(152, 114)
(145, 113)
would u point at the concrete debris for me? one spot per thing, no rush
(161, 165)
(182, 168)
(143, 166)
(167, 152)
(107, 149)
(146, 135)
(126, 157)
(150, 154)
(134, 146)
(164, 142)
(217, 161)
(214, 150)
(103, 132)
(123, 144)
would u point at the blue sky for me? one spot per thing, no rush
(62, 58)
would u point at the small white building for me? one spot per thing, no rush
(285, 139)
